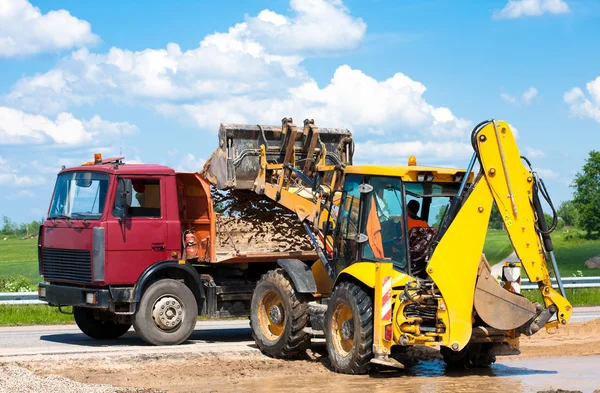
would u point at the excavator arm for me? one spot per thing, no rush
(465, 279)
(515, 190)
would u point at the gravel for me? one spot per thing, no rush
(14, 379)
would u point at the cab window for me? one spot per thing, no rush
(145, 201)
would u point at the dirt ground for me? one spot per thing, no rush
(253, 372)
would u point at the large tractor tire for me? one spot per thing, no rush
(349, 329)
(167, 313)
(95, 328)
(278, 316)
(471, 356)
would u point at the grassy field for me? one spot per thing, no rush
(33, 314)
(572, 249)
(19, 258)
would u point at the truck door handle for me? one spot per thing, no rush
(158, 247)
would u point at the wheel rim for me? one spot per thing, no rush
(167, 312)
(342, 329)
(271, 315)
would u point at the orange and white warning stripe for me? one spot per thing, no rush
(386, 299)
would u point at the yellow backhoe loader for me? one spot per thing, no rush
(400, 248)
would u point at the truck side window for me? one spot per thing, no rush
(146, 198)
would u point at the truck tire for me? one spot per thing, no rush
(471, 356)
(95, 328)
(349, 329)
(278, 316)
(167, 313)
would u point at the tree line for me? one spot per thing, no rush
(10, 227)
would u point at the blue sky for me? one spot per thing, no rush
(407, 77)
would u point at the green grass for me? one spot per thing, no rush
(577, 296)
(497, 246)
(32, 314)
(571, 246)
(40, 314)
(19, 258)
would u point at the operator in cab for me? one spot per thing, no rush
(414, 221)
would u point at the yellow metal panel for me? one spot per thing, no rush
(406, 173)
(365, 272)
(322, 279)
(455, 262)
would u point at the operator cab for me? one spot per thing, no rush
(392, 213)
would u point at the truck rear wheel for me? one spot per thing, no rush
(278, 316)
(96, 328)
(349, 329)
(167, 313)
(471, 356)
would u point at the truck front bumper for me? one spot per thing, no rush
(66, 295)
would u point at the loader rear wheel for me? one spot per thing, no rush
(95, 328)
(471, 356)
(349, 329)
(278, 317)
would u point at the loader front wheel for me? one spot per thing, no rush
(279, 316)
(349, 329)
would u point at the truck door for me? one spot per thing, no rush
(136, 238)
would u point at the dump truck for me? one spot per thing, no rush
(399, 249)
(143, 245)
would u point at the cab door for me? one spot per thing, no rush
(137, 236)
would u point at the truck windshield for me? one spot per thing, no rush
(79, 195)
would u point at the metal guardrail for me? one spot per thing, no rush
(20, 298)
(568, 282)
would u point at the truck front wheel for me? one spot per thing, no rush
(96, 328)
(167, 313)
(278, 316)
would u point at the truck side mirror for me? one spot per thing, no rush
(123, 198)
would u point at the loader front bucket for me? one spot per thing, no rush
(236, 163)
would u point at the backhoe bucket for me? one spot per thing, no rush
(236, 163)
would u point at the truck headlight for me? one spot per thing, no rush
(41, 292)
(91, 298)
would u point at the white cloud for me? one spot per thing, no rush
(316, 26)
(189, 163)
(547, 174)
(352, 99)
(97, 125)
(24, 30)
(253, 57)
(582, 106)
(533, 153)
(523, 8)
(525, 98)
(427, 153)
(10, 176)
(18, 127)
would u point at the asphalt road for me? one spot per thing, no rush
(29, 342)
(22, 343)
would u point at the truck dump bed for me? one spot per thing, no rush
(238, 226)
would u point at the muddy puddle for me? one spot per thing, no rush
(518, 375)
